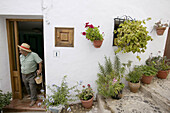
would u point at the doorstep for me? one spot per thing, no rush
(18, 105)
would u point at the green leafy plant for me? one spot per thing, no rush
(132, 36)
(85, 93)
(92, 33)
(160, 63)
(163, 64)
(119, 69)
(149, 70)
(4, 99)
(108, 82)
(60, 95)
(133, 75)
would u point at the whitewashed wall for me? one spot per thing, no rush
(4, 62)
(81, 61)
(23, 9)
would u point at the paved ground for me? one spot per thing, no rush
(152, 98)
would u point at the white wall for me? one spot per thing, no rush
(13, 9)
(5, 82)
(81, 61)
(20, 7)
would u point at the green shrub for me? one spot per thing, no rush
(108, 82)
(4, 99)
(149, 70)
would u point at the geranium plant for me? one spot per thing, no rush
(92, 33)
(86, 93)
(132, 37)
(4, 99)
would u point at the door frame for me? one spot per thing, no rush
(15, 75)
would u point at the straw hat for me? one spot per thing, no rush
(25, 47)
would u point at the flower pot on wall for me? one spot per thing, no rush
(87, 103)
(147, 79)
(97, 43)
(163, 74)
(160, 30)
(134, 86)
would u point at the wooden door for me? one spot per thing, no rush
(12, 34)
(167, 47)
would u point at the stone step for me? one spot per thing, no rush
(132, 103)
(159, 91)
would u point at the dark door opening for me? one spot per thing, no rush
(167, 46)
(31, 32)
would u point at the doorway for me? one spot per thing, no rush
(20, 31)
(167, 46)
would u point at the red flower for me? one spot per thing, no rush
(84, 33)
(91, 26)
(87, 24)
(88, 85)
(83, 86)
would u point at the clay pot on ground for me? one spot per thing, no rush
(97, 43)
(163, 74)
(118, 96)
(87, 103)
(134, 86)
(160, 30)
(147, 79)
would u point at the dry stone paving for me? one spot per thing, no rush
(134, 103)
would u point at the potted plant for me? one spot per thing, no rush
(163, 67)
(161, 64)
(132, 36)
(108, 82)
(4, 99)
(93, 34)
(160, 27)
(133, 77)
(86, 96)
(59, 98)
(148, 73)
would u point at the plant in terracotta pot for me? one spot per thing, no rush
(93, 34)
(133, 77)
(163, 67)
(86, 96)
(5, 99)
(59, 97)
(160, 27)
(133, 37)
(108, 82)
(148, 73)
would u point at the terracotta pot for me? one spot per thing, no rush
(163, 74)
(160, 30)
(134, 86)
(97, 43)
(147, 79)
(87, 103)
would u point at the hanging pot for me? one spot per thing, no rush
(87, 103)
(160, 30)
(134, 86)
(147, 79)
(97, 43)
(163, 74)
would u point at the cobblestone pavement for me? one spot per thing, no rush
(134, 103)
